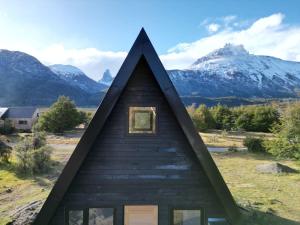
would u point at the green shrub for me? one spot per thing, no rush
(61, 116)
(23, 154)
(264, 118)
(282, 148)
(244, 119)
(287, 134)
(254, 144)
(5, 152)
(33, 156)
(38, 140)
(202, 118)
(223, 117)
(84, 118)
(41, 159)
(7, 127)
(232, 149)
(256, 118)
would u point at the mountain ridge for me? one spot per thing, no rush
(233, 71)
(77, 78)
(25, 81)
(228, 71)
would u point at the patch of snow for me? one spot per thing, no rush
(232, 59)
(66, 70)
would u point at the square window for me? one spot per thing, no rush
(101, 216)
(142, 120)
(76, 217)
(22, 122)
(187, 217)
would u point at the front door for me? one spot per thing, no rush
(141, 215)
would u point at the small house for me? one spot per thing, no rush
(2, 112)
(140, 161)
(21, 118)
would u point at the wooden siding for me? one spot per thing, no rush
(131, 169)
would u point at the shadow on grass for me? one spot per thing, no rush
(44, 179)
(251, 155)
(255, 217)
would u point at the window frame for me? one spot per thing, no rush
(156, 119)
(22, 122)
(86, 213)
(68, 209)
(142, 204)
(203, 220)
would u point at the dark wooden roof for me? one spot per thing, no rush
(142, 47)
(2, 112)
(19, 112)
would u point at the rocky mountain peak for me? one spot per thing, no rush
(228, 51)
(107, 78)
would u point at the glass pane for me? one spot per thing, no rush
(142, 119)
(76, 217)
(101, 216)
(187, 217)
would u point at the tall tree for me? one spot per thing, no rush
(287, 141)
(61, 116)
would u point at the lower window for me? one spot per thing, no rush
(75, 217)
(91, 216)
(187, 217)
(101, 216)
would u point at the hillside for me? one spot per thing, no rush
(232, 71)
(229, 75)
(26, 81)
(76, 78)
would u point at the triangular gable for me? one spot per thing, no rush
(142, 47)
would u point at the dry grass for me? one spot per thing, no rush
(217, 138)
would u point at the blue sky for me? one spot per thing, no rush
(95, 35)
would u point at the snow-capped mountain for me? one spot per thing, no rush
(75, 77)
(229, 71)
(25, 81)
(232, 71)
(106, 78)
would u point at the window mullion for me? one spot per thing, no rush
(86, 216)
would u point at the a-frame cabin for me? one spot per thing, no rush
(140, 161)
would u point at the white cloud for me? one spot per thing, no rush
(228, 19)
(213, 27)
(91, 60)
(263, 24)
(265, 36)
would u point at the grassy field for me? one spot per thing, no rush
(218, 138)
(269, 199)
(266, 199)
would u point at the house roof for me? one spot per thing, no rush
(20, 112)
(142, 47)
(2, 112)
